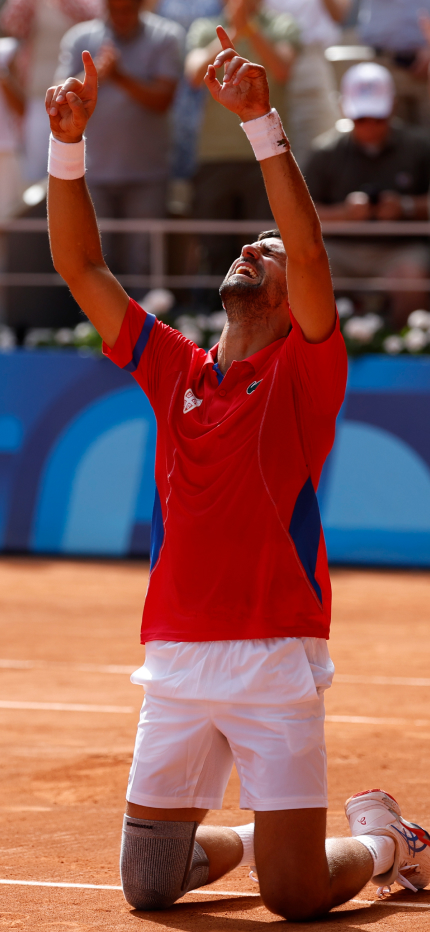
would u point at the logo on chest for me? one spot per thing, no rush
(190, 401)
(251, 388)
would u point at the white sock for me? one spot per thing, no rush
(246, 835)
(382, 849)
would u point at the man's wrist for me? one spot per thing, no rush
(251, 28)
(254, 114)
(407, 205)
(117, 76)
(66, 160)
(266, 135)
(62, 137)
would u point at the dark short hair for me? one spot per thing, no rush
(269, 234)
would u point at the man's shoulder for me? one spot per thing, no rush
(84, 32)
(410, 137)
(331, 141)
(161, 29)
(328, 149)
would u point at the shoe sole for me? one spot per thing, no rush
(417, 830)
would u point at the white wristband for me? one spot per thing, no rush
(266, 135)
(66, 160)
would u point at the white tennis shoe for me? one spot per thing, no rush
(374, 812)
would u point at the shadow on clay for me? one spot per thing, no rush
(204, 917)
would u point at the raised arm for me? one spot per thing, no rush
(245, 91)
(74, 236)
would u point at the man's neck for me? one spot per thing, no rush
(239, 341)
(129, 35)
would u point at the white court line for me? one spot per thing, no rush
(9, 664)
(66, 707)
(95, 886)
(6, 664)
(390, 903)
(367, 720)
(47, 883)
(379, 680)
(129, 710)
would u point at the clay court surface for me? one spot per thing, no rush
(69, 636)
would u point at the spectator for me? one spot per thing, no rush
(41, 24)
(393, 29)
(12, 105)
(228, 183)
(378, 171)
(139, 62)
(188, 104)
(312, 96)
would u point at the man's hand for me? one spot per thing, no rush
(389, 206)
(424, 24)
(106, 62)
(70, 105)
(358, 206)
(244, 90)
(420, 67)
(239, 14)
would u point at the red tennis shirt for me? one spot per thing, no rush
(237, 548)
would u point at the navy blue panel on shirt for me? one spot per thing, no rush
(218, 372)
(157, 530)
(305, 530)
(141, 343)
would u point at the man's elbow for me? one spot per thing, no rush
(281, 73)
(194, 69)
(164, 103)
(313, 253)
(71, 269)
(195, 80)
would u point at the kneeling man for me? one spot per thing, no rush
(237, 613)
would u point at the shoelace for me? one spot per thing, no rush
(253, 875)
(403, 881)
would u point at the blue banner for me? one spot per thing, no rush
(77, 445)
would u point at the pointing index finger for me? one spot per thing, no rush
(223, 38)
(90, 70)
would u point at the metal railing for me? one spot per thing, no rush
(157, 230)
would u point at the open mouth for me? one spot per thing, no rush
(244, 268)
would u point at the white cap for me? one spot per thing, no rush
(367, 91)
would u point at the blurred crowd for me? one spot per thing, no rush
(349, 78)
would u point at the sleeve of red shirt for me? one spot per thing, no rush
(148, 349)
(319, 369)
(319, 373)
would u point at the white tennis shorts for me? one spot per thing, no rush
(256, 703)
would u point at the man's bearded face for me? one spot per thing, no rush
(256, 282)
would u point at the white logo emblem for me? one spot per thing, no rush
(190, 401)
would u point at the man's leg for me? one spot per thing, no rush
(410, 263)
(221, 844)
(142, 201)
(180, 757)
(160, 859)
(301, 875)
(216, 197)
